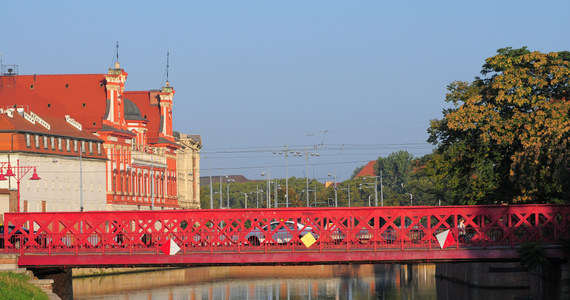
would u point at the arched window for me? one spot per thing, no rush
(128, 184)
(121, 182)
(145, 180)
(133, 183)
(114, 182)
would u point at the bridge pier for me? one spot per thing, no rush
(62, 283)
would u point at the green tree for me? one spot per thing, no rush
(506, 138)
(395, 170)
(356, 171)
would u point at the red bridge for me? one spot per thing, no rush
(281, 236)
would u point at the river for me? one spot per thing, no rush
(367, 281)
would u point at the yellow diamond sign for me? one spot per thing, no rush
(308, 240)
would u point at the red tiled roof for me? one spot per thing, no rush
(83, 96)
(58, 127)
(368, 170)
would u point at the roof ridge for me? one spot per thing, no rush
(64, 74)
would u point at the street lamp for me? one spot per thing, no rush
(376, 189)
(228, 189)
(348, 190)
(375, 192)
(286, 151)
(221, 180)
(21, 171)
(245, 194)
(306, 154)
(276, 186)
(268, 188)
(335, 191)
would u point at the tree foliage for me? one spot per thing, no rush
(506, 137)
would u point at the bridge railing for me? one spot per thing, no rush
(284, 229)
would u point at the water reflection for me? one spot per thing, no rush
(267, 282)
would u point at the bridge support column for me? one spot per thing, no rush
(62, 283)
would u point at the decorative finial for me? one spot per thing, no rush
(167, 66)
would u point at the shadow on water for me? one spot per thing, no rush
(381, 281)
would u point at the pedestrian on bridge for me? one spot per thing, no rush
(461, 230)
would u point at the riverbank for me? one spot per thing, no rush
(19, 286)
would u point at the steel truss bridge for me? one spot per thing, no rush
(280, 236)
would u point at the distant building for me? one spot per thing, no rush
(61, 152)
(188, 166)
(135, 127)
(331, 183)
(369, 170)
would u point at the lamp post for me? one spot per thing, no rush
(228, 180)
(376, 189)
(21, 171)
(286, 151)
(211, 192)
(375, 192)
(268, 188)
(335, 191)
(276, 186)
(245, 194)
(348, 191)
(221, 179)
(306, 155)
(257, 195)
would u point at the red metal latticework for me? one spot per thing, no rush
(280, 236)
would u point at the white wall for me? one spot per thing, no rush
(60, 184)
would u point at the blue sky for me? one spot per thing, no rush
(355, 79)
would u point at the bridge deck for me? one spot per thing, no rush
(281, 236)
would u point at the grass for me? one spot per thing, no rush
(17, 286)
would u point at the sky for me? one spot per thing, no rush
(350, 81)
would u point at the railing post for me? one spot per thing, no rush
(429, 232)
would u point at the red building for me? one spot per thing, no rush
(369, 170)
(136, 128)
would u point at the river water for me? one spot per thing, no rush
(381, 281)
